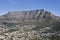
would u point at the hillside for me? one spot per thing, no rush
(29, 25)
(32, 15)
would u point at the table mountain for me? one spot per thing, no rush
(29, 25)
(39, 16)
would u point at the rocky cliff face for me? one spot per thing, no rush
(29, 25)
(29, 15)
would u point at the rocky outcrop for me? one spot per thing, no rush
(32, 15)
(29, 25)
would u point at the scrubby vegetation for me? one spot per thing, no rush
(56, 26)
(9, 24)
(11, 30)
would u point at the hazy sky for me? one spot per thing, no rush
(19, 5)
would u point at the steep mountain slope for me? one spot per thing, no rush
(29, 25)
(33, 16)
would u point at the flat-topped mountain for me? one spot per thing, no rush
(32, 15)
(29, 25)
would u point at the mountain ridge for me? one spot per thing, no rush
(32, 15)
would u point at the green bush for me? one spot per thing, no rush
(9, 24)
(11, 30)
(56, 26)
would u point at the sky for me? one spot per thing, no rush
(23, 5)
